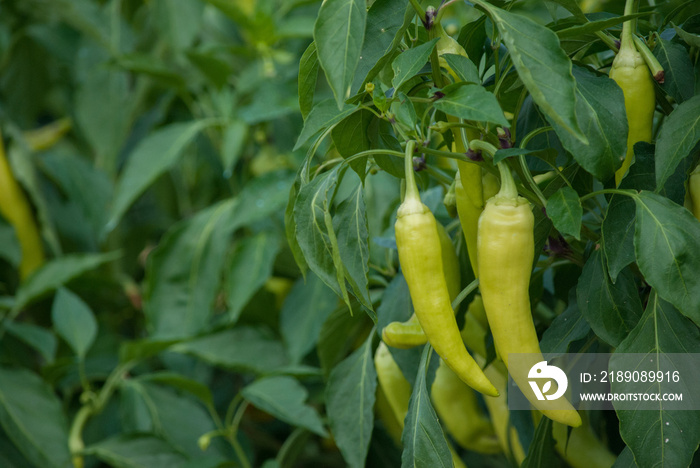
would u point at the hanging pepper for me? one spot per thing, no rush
(630, 72)
(505, 254)
(418, 244)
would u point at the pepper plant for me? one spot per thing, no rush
(217, 218)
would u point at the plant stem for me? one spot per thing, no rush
(628, 27)
(411, 187)
(464, 293)
(629, 193)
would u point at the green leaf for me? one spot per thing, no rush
(381, 136)
(350, 222)
(350, 396)
(339, 33)
(323, 115)
(410, 62)
(315, 234)
(338, 334)
(33, 418)
(679, 134)
(216, 70)
(396, 303)
(283, 397)
(350, 137)
(153, 67)
(10, 249)
(660, 438)
(404, 111)
(541, 452)
(178, 23)
(136, 451)
(74, 321)
(568, 327)
(545, 70)
(234, 141)
(244, 349)
(152, 157)
(308, 75)
(249, 269)
(618, 225)
(678, 70)
(612, 310)
(193, 387)
(565, 211)
(471, 102)
(384, 32)
(692, 40)
(58, 272)
(625, 459)
(464, 68)
(595, 26)
(305, 309)
(472, 37)
(601, 115)
(423, 439)
(35, 336)
(664, 241)
(183, 273)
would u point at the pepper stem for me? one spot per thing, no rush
(508, 188)
(411, 187)
(629, 26)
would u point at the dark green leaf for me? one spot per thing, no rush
(601, 115)
(180, 382)
(350, 137)
(350, 399)
(322, 115)
(250, 267)
(472, 37)
(283, 397)
(692, 40)
(565, 211)
(56, 273)
(545, 69)
(339, 33)
(152, 157)
(659, 438)
(423, 439)
(410, 62)
(625, 459)
(568, 327)
(305, 309)
(216, 70)
(678, 69)
(612, 310)
(338, 335)
(404, 111)
(665, 240)
(595, 26)
(33, 418)
(244, 349)
(74, 321)
(308, 75)
(35, 336)
(679, 134)
(381, 136)
(541, 451)
(396, 303)
(136, 451)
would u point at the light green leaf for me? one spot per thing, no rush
(235, 136)
(350, 396)
(471, 102)
(565, 211)
(308, 75)
(464, 68)
(338, 33)
(283, 397)
(410, 62)
(323, 115)
(679, 134)
(74, 321)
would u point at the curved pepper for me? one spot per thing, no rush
(506, 253)
(418, 244)
(16, 210)
(409, 334)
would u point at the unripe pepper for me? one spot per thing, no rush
(409, 334)
(418, 244)
(16, 210)
(630, 72)
(505, 254)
